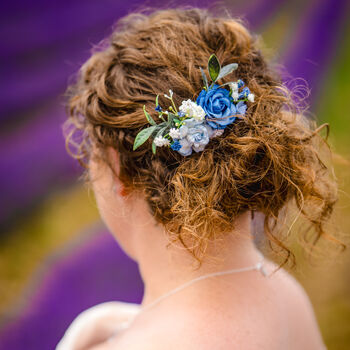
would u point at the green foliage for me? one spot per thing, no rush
(204, 77)
(149, 118)
(227, 70)
(171, 118)
(213, 67)
(154, 148)
(217, 72)
(143, 135)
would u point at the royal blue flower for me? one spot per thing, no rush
(244, 94)
(158, 108)
(175, 145)
(218, 106)
(240, 83)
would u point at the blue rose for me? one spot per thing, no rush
(194, 137)
(198, 136)
(218, 106)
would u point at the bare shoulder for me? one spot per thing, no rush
(96, 324)
(303, 321)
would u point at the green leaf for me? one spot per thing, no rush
(204, 77)
(157, 128)
(227, 70)
(154, 148)
(213, 67)
(171, 117)
(161, 130)
(149, 118)
(142, 136)
(157, 101)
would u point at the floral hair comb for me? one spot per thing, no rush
(192, 125)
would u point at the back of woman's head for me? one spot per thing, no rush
(262, 162)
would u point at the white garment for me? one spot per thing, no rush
(122, 312)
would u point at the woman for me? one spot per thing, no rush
(179, 177)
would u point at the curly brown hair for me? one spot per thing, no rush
(262, 162)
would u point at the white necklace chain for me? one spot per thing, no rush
(258, 266)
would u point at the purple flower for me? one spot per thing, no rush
(218, 106)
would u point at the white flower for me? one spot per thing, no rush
(251, 97)
(198, 136)
(191, 122)
(234, 86)
(170, 93)
(174, 133)
(186, 147)
(234, 96)
(161, 141)
(183, 131)
(192, 110)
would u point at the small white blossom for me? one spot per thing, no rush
(234, 96)
(234, 86)
(170, 93)
(161, 141)
(174, 133)
(192, 110)
(251, 97)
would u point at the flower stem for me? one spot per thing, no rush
(161, 116)
(172, 101)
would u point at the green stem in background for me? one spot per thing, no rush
(161, 117)
(168, 136)
(173, 103)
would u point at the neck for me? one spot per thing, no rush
(163, 269)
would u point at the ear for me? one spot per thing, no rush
(113, 156)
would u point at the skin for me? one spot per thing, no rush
(236, 311)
